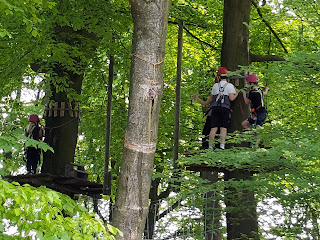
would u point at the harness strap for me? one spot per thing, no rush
(254, 111)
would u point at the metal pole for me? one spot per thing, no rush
(106, 182)
(178, 94)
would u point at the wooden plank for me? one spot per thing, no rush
(75, 164)
(236, 82)
(62, 108)
(70, 109)
(45, 114)
(55, 111)
(49, 111)
(201, 167)
(65, 185)
(76, 111)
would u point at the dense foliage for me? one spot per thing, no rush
(46, 214)
(286, 164)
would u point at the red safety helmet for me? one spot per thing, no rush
(222, 70)
(252, 78)
(33, 118)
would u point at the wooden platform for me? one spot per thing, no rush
(65, 184)
(206, 168)
(203, 168)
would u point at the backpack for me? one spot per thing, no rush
(221, 99)
(256, 98)
(34, 132)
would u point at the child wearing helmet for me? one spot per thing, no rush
(33, 131)
(222, 93)
(255, 98)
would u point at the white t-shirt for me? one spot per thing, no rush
(228, 88)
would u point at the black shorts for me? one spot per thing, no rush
(220, 117)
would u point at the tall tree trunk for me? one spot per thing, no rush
(242, 220)
(241, 224)
(150, 20)
(155, 199)
(61, 131)
(65, 78)
(235, 51)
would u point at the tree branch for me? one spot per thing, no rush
(269, 26)
(164, 213)
(195, 37)
(166, 193)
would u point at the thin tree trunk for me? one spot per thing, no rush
(153, 210)
(178, 94)
(107, 177)
(150, 20)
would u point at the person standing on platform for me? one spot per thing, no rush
(254, 97)
(34, 131)
(222, 93)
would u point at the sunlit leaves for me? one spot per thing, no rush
(49, 214)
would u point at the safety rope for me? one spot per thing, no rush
(153, 91)
(152, 63)
(51, 128)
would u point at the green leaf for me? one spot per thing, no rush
(29, 29)
(114, 230)
(17, 211)
(3, 33)
(8, 12)
(34, 33)
(1, 227)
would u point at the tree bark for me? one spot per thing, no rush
(61, 130)
(242, 220)
(150, 20)
(235, 45)
(235, 52)
(61, 133)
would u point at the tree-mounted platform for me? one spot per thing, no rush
(207, 168)
(251, 167)
(75, 181)
(65, 184)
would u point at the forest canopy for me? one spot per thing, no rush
(62, 51)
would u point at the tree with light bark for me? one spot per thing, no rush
(146, 85)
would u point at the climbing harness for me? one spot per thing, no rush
(253, 113)
(221, 99)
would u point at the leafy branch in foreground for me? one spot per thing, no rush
(47, 214)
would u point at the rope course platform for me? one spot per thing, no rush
(203, 167)
(69, 185)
